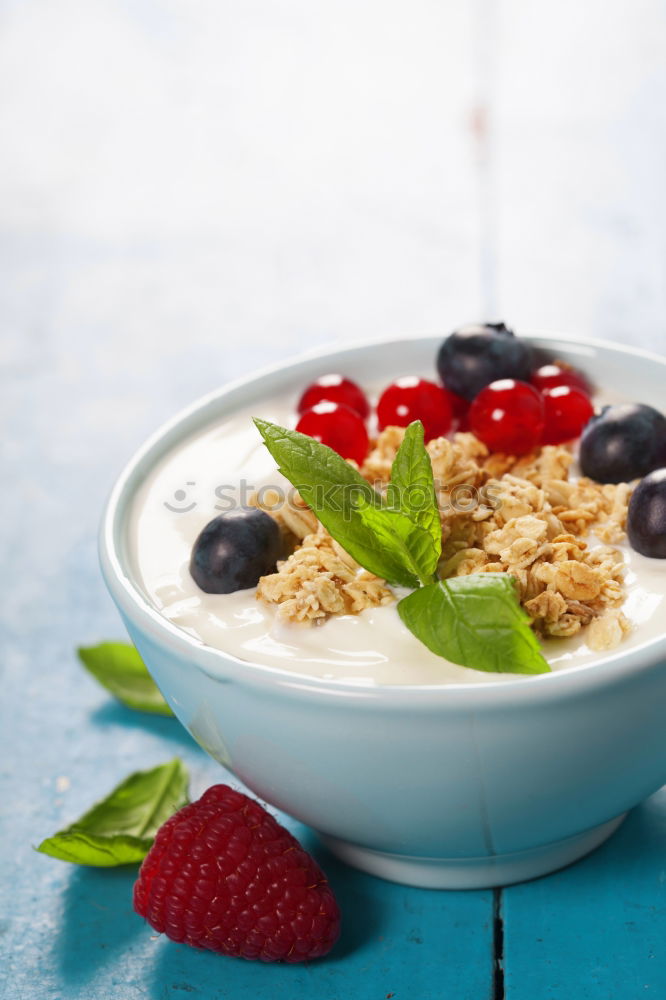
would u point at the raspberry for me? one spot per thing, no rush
(223, 874)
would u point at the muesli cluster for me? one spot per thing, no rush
(521, 516)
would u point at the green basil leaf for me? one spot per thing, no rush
(120, 829)
(475, 621)
(119, 668)
(412, 489)
(342, 500)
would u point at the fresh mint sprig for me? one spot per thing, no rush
(476, 621)
(384, 540)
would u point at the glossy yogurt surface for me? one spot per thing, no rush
(222, 465)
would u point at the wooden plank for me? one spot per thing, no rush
(410, 943)
(597, 929)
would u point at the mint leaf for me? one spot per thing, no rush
(395, 530)
(412, 489)
(121, 829)
(475, 621)
(119, 668)
(348, 507)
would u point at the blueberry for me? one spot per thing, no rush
(646, 521)
(480, 353)
(234, 550)
(623, 443)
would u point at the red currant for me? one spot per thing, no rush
(412, 398)
(567, 410)
(508, 416)
(334, 389)
(460, 409)
(337, 426)
(549, 376)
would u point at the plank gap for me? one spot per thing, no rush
(498, 946)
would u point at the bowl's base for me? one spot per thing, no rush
(472, 873)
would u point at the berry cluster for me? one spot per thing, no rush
(491, 385)
(334, 410)
(513, 416)
(514, 407)
(487, 385)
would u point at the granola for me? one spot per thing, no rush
(500, 513)
(319, 579)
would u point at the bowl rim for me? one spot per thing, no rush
(224, 667)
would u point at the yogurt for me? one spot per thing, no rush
(223, 465)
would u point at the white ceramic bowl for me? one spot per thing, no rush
(457, 786)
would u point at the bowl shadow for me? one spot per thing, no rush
(165, 727)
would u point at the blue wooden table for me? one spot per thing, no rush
(189, 191)
(594, 931)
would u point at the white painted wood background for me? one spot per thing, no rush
(191, 189)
